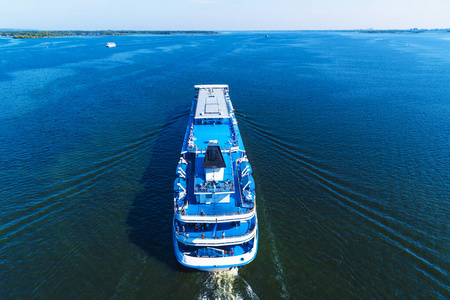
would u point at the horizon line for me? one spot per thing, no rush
(225, 30)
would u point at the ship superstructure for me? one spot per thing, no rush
(215, 224)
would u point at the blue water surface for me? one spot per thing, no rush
(348, 134)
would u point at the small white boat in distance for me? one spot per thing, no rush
(110, 45)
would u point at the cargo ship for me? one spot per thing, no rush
(215, 225)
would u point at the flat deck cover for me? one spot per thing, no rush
(211, 103)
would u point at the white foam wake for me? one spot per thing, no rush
(226, 285)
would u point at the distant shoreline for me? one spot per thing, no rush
(32, 34)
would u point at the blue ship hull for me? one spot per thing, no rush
(215, 225)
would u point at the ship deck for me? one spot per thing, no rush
(219, 132)
(228, 230)
(216, 209)
(215, 226)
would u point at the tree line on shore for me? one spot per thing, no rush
(29, 34)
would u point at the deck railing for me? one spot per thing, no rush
(239, 211)
(248, 233)
(210, 189)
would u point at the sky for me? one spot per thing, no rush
(223, 14)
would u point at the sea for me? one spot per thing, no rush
(348, 134)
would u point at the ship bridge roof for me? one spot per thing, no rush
(213, 158)
(211, 103)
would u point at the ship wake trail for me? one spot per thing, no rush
(226, 285)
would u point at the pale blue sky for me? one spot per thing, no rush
(223, 15)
